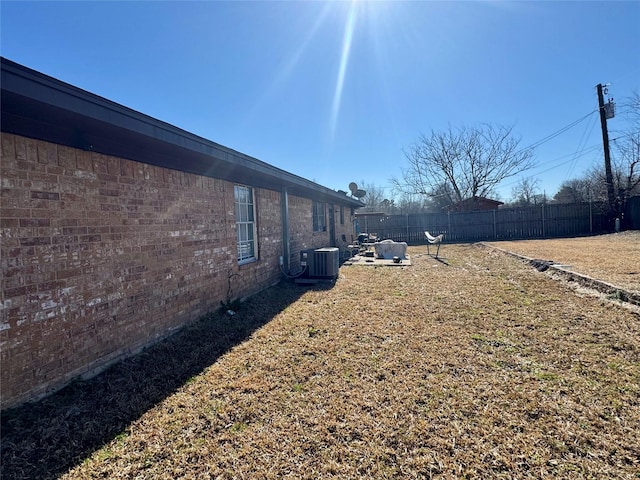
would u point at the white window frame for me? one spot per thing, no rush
(319, 217)
(246, 234)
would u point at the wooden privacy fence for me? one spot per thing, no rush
(541, 221)
(632, 213)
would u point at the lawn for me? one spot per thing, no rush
(472, 366)
(613, 258)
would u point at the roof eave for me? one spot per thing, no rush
(38, 106)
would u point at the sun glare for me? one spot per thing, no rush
(348, 16)
(344, 61)
(287, 70)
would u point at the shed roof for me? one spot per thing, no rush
(39, 106)
(476, 203)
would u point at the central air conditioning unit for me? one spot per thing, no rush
(321, 262)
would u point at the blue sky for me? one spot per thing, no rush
(335, 91)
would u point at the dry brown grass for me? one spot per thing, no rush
(476, 366)
(613, 258)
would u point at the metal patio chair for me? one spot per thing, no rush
(431, 240)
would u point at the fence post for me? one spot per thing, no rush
(495, 231)
(407, 228)
(449, 220)
(543, 232)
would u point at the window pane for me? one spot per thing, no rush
(242, 195)
(318, 216)
(245, 222)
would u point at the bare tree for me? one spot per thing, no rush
(626, 164)
(440, 198)
(525, 193)
(626, 180)
(389, 206)
(575, 191)
(408, 203)
(469, 162)
(374, 197)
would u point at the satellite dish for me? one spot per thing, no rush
(359, 193)
(353, 186)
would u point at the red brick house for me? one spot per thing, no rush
(118, 229)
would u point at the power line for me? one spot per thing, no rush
(557, 133)
(576, 155)
(584, 152)
(581, 144)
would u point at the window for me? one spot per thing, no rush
(341, 215)
(245, 223)
(319, 223)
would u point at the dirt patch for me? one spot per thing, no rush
(476, 365)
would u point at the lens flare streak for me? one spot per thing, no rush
(344, 61)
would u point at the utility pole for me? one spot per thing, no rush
(607, 157)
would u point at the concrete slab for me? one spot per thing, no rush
(377, 262)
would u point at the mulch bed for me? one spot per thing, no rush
(474, 365)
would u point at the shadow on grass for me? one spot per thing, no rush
(45, 439)
(441, 260)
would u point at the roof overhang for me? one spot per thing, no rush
(37, 106)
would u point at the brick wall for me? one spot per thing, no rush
(345, 232)
(301, 236)
(102, 256)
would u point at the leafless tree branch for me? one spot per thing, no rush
(463, 162)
